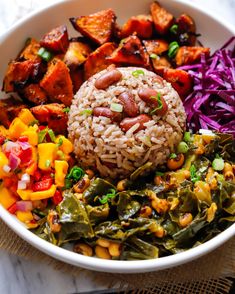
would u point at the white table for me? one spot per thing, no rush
(25, 277)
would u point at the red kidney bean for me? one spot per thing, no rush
(129, 105)
(107, 112)
(129, 122)
(107, 79)
(146, 95)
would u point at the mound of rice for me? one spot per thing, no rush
(100, 143)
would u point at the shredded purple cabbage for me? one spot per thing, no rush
(211, 105)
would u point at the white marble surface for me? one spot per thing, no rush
(25, 277)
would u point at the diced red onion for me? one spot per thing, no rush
(24, 145)
(21, 185)
(6, 168)
(9, 146)
(14, 161)
(25, 178)
(24, 205)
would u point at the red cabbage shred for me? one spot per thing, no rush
(211, 105)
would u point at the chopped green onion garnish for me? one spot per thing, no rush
(174, 29)
(160, 105)
(182, 147)
(111, 194)
(60, 154)
(116, 107)
(86, 111)
(153, 56)
(173, 48)
(137, 73)
(60, 142)
(42, 134)
(52, 135)
(218, 164)
(66, 109)
(193, 175)
(172, 156)
(76, 173)
(34, 122)
(160, 174)
(187, 137)
(47, 163)
(68, 183)
(44, 54)
(122, 42)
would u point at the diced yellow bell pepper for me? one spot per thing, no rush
(3, 131)
(61, 168)
(66, 146)
(24, 194)
(46, 155)
(6, 197)
(26, 116)
(17, 127)
(32, 136)
(3, 161)
(33, 166)
(24, 217)
(43, 194)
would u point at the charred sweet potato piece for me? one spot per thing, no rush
(131, 52)
(142, 25)
(98, 26)
(186, 30)
(30, 50)
(56, 40)
(98, 60)
(180, 80)
(156, 46)
(76, 54)
(189, 55)
(160, 64)
(53, 115)
(34, 94)
(162, 19)
(77, 77)
(9, 109)
(18, 74)
(57, 82)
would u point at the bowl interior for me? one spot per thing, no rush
(213, 32)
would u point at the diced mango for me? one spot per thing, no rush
(33, 166)
(32, 136)
(26, 116)
(43, 194)
(3, 131)
(3, 161)
(24, 217)
(61, 168)
(46, 155)
(17, 127)
(6, 197)
(66, 146)
(24, 194)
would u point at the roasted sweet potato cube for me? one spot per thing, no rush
(190, 55)
(162, 19)
(30, 50)
(186, 30)
(98, 26)
(56, 40)
(18, 74)
(53, 115)
(77, 77)
(34, 94)
(98, 60)
(180, 80)
(57, 82)
(131, 52)
(160, 64)
(142, 25)
(9, 109)
(156, 46)
(76, 54)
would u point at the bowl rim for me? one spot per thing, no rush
(115, 266)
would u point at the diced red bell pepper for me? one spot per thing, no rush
(25, 156)
(42, 185)
(23, 139)
(37, 175)
(57, 198)
(13, 209)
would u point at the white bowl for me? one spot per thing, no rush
(215, 32)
